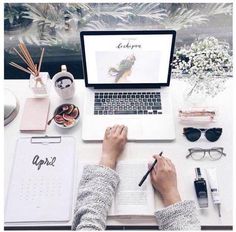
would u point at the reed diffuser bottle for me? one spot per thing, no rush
(39, 82)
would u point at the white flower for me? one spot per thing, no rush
(204, 60)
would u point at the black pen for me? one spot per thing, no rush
(146, 175)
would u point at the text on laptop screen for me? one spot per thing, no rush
(128, 59)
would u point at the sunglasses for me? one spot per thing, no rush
(193, 134)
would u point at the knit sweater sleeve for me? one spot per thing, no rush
(179, 216)
(95, 194)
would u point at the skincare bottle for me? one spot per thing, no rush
(212, 180)
(201, 189)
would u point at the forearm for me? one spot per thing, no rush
(96, 191)
(179, 216)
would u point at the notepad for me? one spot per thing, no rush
(42, 180)
(35, 114)
(130, 199)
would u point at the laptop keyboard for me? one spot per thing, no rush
(123, 103)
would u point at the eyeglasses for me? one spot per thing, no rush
(193, 134)
(214, 153)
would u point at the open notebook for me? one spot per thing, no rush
(131, 199)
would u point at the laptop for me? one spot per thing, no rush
(127, 77)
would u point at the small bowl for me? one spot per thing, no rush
(67, 115)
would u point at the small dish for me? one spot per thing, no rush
(66, 115)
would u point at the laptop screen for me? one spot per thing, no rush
(136, 58)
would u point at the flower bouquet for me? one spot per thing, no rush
(205, 64)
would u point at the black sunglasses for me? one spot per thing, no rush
(193, 134)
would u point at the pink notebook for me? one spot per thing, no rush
(35, 114)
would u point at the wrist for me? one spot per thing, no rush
(171, 198)
(107, 161)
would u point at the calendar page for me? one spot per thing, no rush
(41, 186)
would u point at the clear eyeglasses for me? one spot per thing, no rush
(214, 153)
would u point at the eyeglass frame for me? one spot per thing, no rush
(218, 149)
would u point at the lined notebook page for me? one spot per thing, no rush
(131, 199)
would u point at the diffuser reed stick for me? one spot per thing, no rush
(31, 68)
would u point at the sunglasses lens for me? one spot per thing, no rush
(213, 134)
(192, 134)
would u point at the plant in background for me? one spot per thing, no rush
(100, 16)
(145, 14)
(50, 18)
(205, 64)
(185, 15)
(14, 17)
(59, 24)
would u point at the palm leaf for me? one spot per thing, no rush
(112, 12)
(95, 25)
(183, 18)
(51, 14)
(149, 11)
(79, 6)
(218, 8)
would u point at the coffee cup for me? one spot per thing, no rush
(64, 83)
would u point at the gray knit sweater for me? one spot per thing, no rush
(96, 191)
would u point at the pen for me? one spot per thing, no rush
(146, 175)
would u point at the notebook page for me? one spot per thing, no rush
(131, 199)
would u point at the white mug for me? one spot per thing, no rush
(64, 83)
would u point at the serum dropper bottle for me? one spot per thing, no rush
(201, 189)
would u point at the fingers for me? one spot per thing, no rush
(107, 132)
(114, 128)
(117, 130)
(163, 164)
(170, 164)
(153, 176)
(153, 170)
(110, 130)
(124, 132)
(160, 163)
(167, 161)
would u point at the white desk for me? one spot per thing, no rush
(176, 151)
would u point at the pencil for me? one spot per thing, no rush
(146, 175)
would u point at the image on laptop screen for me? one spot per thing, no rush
(127, 59)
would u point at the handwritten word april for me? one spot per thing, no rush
(128, 45)
(47, 161)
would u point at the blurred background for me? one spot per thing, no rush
(57, 26)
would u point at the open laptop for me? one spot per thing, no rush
(127, 77)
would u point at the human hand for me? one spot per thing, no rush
(114, 142)
(163, 178)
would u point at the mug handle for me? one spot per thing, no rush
(63, 68)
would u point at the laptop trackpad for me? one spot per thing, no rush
(134, 127)
(95, 129)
